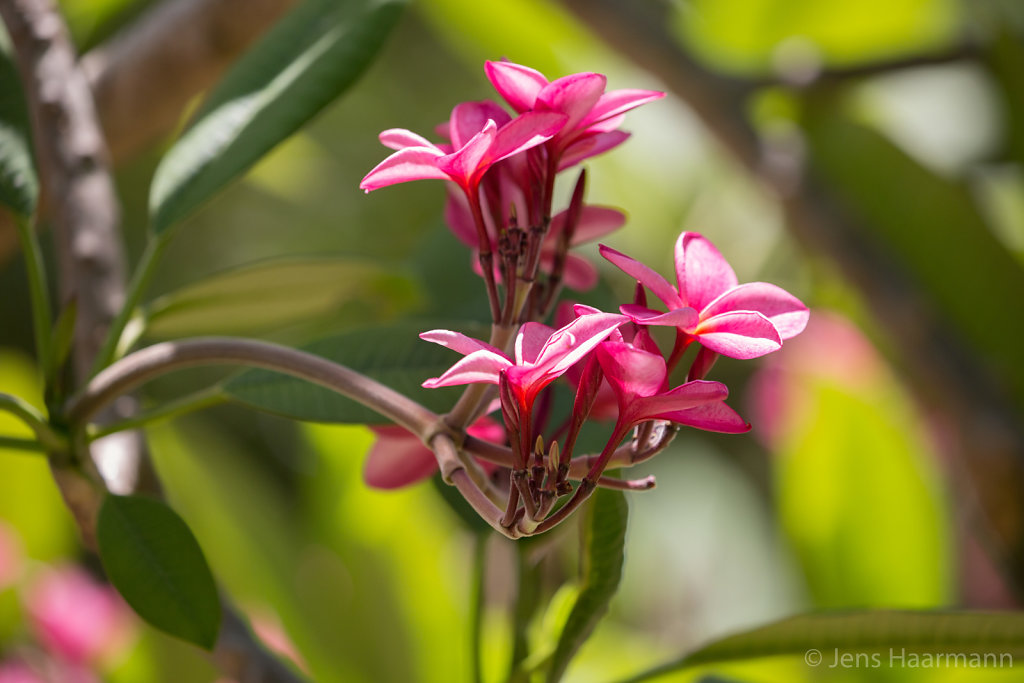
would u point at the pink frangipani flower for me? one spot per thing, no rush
(542, 355)
(398, 458)
(739, 321)
(477, 143)
(593, 115)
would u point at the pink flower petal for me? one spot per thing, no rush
(579, 274)
(617, 102)
(459, 217)
(574, 95)
(571, 343)
(595, 222)
(739, 334)
(525, 131)
(684, 318)
(518, 84)
(397, 459)
(631, 372)
(469, 118)
(701, 270)
(411, 163)
(469, 162)
(644, 275)
(456, 341)
(711, 417)
(480, 366)
(785, 311)
(590, 145)
(530, 340)
(684, 397)
(400, 138)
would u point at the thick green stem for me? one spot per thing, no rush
(12, 443)
(38, 288)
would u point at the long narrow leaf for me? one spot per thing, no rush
(891, 639)
(299, 68)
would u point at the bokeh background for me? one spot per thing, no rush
(883, 469)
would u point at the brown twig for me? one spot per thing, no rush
(941, 371)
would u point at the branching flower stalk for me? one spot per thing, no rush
(501, 170)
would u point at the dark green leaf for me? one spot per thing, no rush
(303, 64)
(393, 355)
(19, 187)
(152, 558)
(603, 555)
(270, 295)
(894, 637)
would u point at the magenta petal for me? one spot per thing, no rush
(400, 138)
(701, 270)
(579, 274)
(459, 218)
(411, 163)
(684, 318)
(574, 95)
(644, 275)
(525, 131)
(518, 84)
(466, 165)
(456, 341)
(785, 311)
(739, 334)
(711, 417)
(397, 459)
(469, 118)
(530, 340)
(595, 222)
(590, 145)
(684, 397)
(631, 372)
(574, 341)
(479, 366)
(618, 102)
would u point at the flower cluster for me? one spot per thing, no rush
(501, 171)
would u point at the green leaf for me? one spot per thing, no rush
(19, 187)
(604, 553)
(932, 228)
(154, 561)
(895, 638)
(393, 355)
(304, 63)
(270, 295)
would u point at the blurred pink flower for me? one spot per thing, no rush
(76, 617)
(739, 321)
(830, 348)
(398, 458)
(18, 672)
